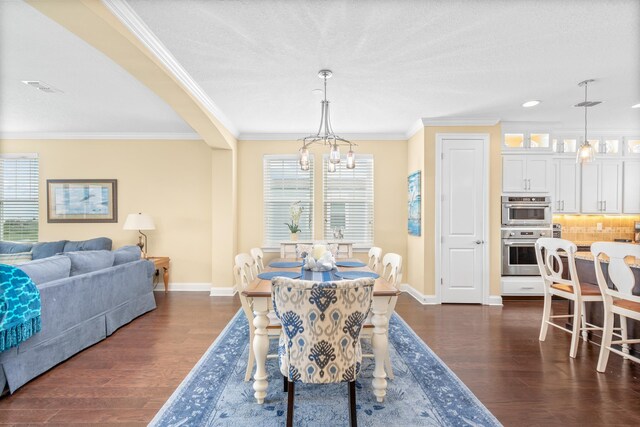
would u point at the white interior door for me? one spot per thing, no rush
(462, 220)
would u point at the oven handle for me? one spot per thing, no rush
(520, 244)
(526, 206)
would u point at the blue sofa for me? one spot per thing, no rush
(86, 294)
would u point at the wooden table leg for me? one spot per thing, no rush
(165, 277)
(380, 343)
(260, 347)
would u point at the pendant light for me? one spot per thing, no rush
(326, 136)
(586, 152)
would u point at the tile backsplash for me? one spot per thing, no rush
(584, 228)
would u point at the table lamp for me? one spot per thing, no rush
(140, 221)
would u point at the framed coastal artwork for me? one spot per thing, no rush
(415, 210)
(82, 200)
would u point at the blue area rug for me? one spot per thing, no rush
(425, 392)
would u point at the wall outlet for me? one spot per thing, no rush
(599, 226)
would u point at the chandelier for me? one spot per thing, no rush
(326, 136)
(585, 153)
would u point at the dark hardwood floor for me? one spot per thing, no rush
(495, 351)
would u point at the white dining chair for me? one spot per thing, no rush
(247, 264)
(620, 300)
(258, 259)
(548, 256)
(375, 253)
(273, 329)
(392, 268)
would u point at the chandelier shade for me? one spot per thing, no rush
(326, 136)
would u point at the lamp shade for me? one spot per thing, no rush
(139, 221)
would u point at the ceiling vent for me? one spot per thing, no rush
(588, 103)
(41, 86)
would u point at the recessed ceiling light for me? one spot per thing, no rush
(530, 104)
(635, 106)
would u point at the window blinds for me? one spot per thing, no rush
(284, 184)
(19, 197)
(348, 200)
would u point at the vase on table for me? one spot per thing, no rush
(294, 237)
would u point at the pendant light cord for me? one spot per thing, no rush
(586, 141)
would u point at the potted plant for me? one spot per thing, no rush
(295, 210)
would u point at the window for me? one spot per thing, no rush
(348, 200)
(19, 197)
(284, 184)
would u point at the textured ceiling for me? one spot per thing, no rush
(397, 61)
(98, 95)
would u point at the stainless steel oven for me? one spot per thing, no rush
(518, 211)
(519, 252)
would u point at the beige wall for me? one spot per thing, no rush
(390, 192)
(415, 265)
(170, 180)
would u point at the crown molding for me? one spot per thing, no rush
(169, 136)
(415, 128)
(347, 136)
(459, 121)
(136, 25)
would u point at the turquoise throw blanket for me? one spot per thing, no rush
(19, 307)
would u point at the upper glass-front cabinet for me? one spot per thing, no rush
(526, 140)
(632, 146)
(603, 146)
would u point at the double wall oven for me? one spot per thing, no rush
(524, 220)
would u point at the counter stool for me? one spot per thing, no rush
(620, 301)
(548, 252)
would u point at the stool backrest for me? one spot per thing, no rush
(620, 273)
(549, 254)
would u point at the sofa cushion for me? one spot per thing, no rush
(87, 261)
(14, 248)
(15, 258)
(97, 244)
(46, 249)
(47, 269)
(126, 254)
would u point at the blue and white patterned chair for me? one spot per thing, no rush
(320, 338)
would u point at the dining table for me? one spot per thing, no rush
(260, 291)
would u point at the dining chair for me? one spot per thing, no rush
(375, 253)
(321, 324)
(273, 329)
(619, 300)
(245, 262)
(549, 253)
(258, 259)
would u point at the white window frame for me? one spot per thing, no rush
(331, 196)
(272, 238)
(25, 206)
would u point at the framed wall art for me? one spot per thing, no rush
(415, 209)
(82, 200)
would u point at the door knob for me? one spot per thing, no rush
(479, 242)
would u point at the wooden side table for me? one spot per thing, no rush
(162, 263)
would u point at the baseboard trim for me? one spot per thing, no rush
(494, 300)
(224, 291)
(184, 287)
(419, 296)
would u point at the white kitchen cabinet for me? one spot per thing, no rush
(631, 187)
(526, 141)
(566, 198)
(601, 187)
(525, 174)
